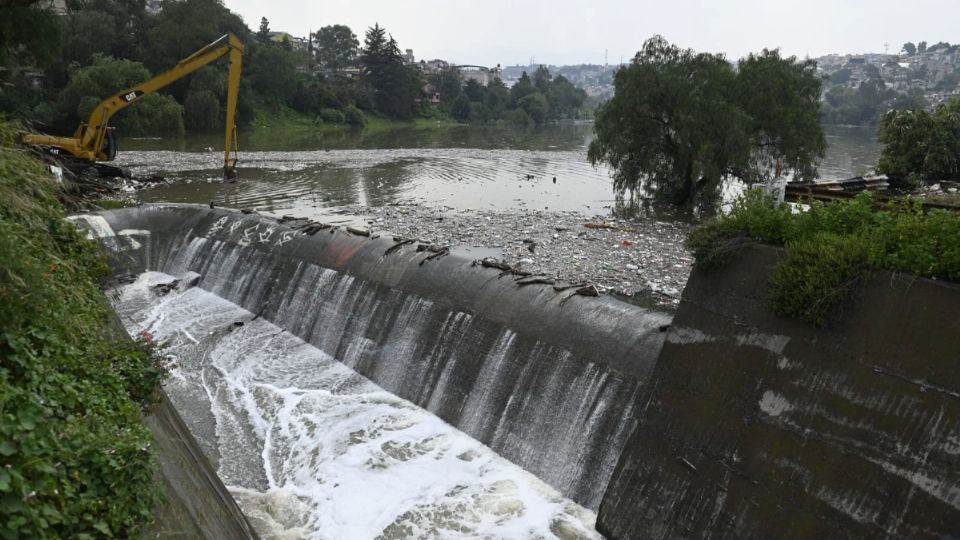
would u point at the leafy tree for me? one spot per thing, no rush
(781, 97)
(29, 35)
(679, 122)
(522, 88)
(921, 146)
(861, 106)
(535, 105)
(111, 27)
(272, 73)
(475, 91)
(263, 34)
(153, 115)
(564, 99)
(517, 117)
(447, 82)
(354, 116)
(904, 102)
(461, 108)
(89, 32)
(336, 46)
(922, 47)
(872, 72)
(841, 76)
(541, 79)
(182, 27)
(949, 81)
(909, 48)
(202, 110)
(497, 97)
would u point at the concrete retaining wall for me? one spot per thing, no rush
(195, 504)
(763, 427)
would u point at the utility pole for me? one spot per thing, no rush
(606, 53)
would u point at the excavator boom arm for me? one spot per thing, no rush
(88, 144)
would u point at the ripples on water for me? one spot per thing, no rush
(460, 178)
(463, 168)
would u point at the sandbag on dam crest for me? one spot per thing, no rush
(550, 380)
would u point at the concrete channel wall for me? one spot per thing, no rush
(195, 502)
(758, 426)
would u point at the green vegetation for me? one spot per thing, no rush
(336, 46)
(831, 247)
(156, 114)
(861, 93)
(921, 146)
(75, 461)
(529, 102)
(99, 47)
(393, 88)
(867, 103)
(680, 122)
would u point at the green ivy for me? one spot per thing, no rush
(830, 248)
(75, 459)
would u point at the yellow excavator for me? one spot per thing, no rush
(95, 141)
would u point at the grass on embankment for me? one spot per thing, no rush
(75, 459)
(831, 247)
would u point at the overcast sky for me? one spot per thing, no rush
(510, 32)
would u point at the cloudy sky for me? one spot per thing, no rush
(512, 32)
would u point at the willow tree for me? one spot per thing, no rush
(680, 122)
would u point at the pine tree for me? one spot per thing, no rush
(264, 33)
(394, 86)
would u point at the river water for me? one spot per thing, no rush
(463, 167)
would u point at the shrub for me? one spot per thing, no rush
(331, 116)
(831, 247)
(75, 460)
(354, 116)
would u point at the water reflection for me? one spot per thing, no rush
(568, 136)
(463, 167)
(851, 151)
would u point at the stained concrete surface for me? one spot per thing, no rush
(759, 426)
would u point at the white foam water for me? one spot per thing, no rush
(311, 449)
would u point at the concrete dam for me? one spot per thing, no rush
(348, 386)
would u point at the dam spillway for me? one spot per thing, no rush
(303, 355)
(550, 381)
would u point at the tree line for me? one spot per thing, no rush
(101, 46)
(531, 100)
(57, 67)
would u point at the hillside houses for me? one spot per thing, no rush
(935, 72)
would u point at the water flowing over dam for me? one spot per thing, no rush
(315, 366)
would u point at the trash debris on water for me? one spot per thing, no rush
(656, 264)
